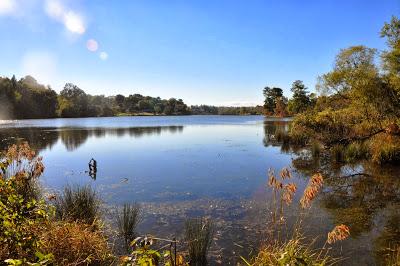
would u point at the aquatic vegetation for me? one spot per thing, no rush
(340, 232)
(199, 234)
(312, 190)
(292, 252)
(128, 220)
(291, 248)
(78, 203)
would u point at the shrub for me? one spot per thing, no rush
(128, 220)
(385, 149)
(78, 203)
(199, 234)
(21, 213)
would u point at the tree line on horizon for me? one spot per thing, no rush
(26, 98)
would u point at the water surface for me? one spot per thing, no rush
(213, 166)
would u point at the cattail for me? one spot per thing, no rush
(340, 232)
(311, 190)
(288, 193)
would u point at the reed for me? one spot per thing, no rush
(78, 203)
(199, 234)
(128, 219)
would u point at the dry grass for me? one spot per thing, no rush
(73, 243)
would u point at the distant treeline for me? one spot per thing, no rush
(26, 98)
(223, 110)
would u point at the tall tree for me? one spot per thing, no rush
(300, 100)
(271, 97)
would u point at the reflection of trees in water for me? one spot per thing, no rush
(72, 138)
(360, 196)
(38, 139)
(75, 137)
(271, 128)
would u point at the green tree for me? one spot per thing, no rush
(300, 101)
(271, 96)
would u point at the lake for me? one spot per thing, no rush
(214, 166)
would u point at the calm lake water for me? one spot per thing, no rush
(213, 166)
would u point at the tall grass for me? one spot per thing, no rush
(199, 234)
(128, 220)
(292, 248)
(78, 203)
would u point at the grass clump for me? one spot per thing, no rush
(356, 151)
(199, 234)
(73, 243)
(292, 252)
(78, 203)
(128, 220)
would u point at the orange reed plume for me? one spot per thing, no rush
(311, 190)
(273, 181)
(288, 192)
(340, 232)
(285, 173)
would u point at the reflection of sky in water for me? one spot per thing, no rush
(227, 161)
(215, 166)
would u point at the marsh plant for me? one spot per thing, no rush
(199, 233)
(127, 219)
(78, 203)
(285, 246)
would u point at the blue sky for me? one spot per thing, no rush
(220, 52)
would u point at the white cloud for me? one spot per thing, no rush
(41, 65)
(7, 7)
(72, 21)
(103, 56)
(92, 45)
